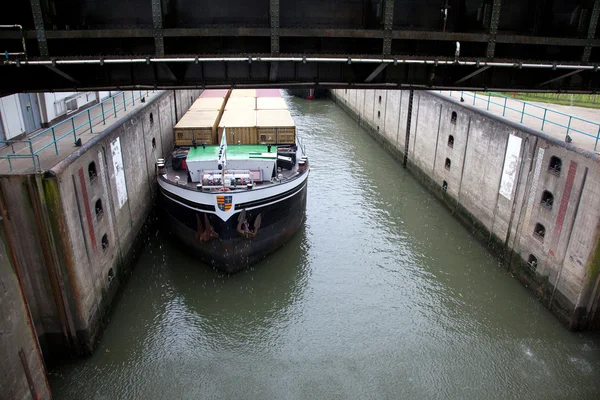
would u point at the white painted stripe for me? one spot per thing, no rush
(511, 164)
(210, 199)
(117, 159)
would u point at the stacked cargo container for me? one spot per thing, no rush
(248, 116)
(201, 121)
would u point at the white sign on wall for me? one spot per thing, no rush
(511, 165)
(115, 149)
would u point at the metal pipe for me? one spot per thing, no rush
(74, 130)
(544, 120)
(302, 59)
(22, 38)
(54, 140)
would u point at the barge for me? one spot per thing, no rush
(234, 189)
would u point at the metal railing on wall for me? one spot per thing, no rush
(77, 124)
(549, 116)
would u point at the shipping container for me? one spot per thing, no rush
(243, 93)
(214, 93)
(240, 103)
(200, 125)
(268, 93)
(208, 103)
(270, 103)
(275, 126)
(240, 126)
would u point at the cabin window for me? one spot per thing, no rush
(448, 164)
(539, 232)
(450, 141)
(151, 119)
(445, 186)
(105, 242)
(454, 117)
(532, 262)
(547, 200)
(555, 165)
(99, 209)
(92, 171)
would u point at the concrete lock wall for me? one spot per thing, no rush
(492, 176)
(22, 372)
(76, 228)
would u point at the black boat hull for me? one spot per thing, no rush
(230, 252)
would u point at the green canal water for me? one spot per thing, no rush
(382, 294)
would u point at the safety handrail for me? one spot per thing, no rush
(595, 127)
(116, 104)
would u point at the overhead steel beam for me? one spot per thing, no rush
(376, 72)
(472, 74)
(303, 32)
(560, 77)
(388, 25)
(587, 51)
(274, 11)
(159, 43)
(40, 31)
(494, 22)
(273, 68)
(63, 74)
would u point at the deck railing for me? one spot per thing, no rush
(77, 124)
(592, 129)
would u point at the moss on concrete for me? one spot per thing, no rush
(593, 268)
